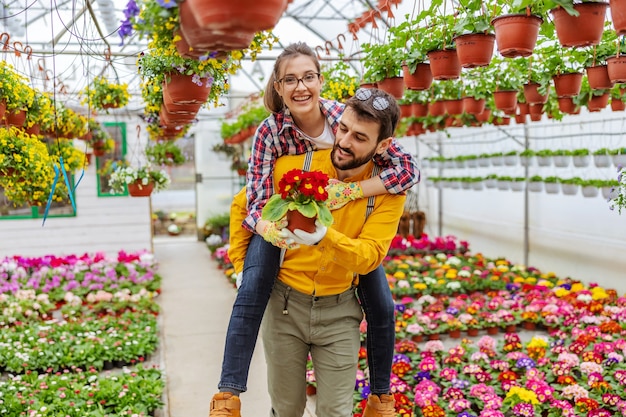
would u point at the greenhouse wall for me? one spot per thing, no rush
(570, 235)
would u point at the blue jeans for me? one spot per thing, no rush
(260, 270)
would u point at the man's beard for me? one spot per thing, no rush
(353, 163)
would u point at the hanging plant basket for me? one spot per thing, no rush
(567, 85)
(516, 34)
(136, 189)
(597, 103)
(180, 88)
(472, 105)
(617, 105)
(393, 86)
(598, 77)
(421, 79)
(506, 101)
(582, 30)
(249, 15)
(444, 64)
(3, 107)
(453, 107)
(419, 109)
(15, 118)
(202, 38)
(474, 49)
(436, 108)
(567, 105)
(616, 68)
(618, 16)
(532, 94)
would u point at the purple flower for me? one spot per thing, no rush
(167, 4)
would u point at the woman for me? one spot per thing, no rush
(300, 122)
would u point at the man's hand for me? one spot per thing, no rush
(276, 234)
(306, 238)
(340, 193)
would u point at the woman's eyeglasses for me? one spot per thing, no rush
(291, 81)
(379, 103)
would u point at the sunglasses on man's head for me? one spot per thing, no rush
(379, 103)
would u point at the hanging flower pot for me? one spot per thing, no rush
(516, 34)
(567, 85)
(3, 107)
(474, 49)
(567, 105)
(598, 77)
(582, 30)
(617, 105)
(618, 16)
(501, 121)
(393, 86)
(523, 108)
(597, 103)
(406, 110)
(250, 15)
(520, 118)
(472, 105)
(436, 108)
(180, 88)
(15, 118)
(616, 68)
(420, 79)
(532, 95)
(202, 38)
(483, 117)
(453, 107)
(35, 129)
(444, 64)
(168, 118)
(505, 101)
(137, 189)
(419, 109)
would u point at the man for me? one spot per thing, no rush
(313, 307)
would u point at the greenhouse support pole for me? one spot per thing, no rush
(439, 190)
(526, 172)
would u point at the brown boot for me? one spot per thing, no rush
(383, 406)
(225, 404)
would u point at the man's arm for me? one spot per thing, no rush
(239, 236)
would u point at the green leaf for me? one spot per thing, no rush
(324, 215)
(275, 208)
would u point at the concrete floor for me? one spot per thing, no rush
(196, 302)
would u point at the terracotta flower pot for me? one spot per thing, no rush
(393, 86)
(567, 85)
(419, 109)
(582, 30)
(617, 105)
(240, 14)
(473, 106)
(516, 34)
(616, 68)
(179, 88)
(598, 77)
(492, 330)
(567, 105)
(15, 118)
(597, 103)
(420, 79)
(618, 16)
(472, 332)
(436, 108)
(406, 110)
(136, 189)
(3, 107)
(444, 64)
(199, 37)
(455, 334)
(453, 107)
(506, 101)
(296, 220)
(417, 338)
(532, 95)
(474, 49)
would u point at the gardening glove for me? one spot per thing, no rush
(340, 193)
(275, 233)
(238, 279)
(306, 238)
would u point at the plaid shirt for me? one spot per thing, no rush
(277, 136)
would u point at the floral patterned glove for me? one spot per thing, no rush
(274, 233)
(340, 193)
